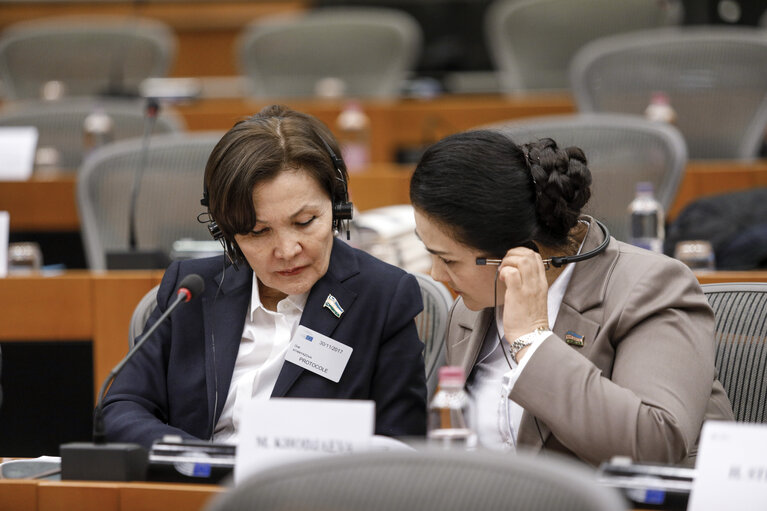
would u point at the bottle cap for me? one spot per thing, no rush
(645, 187)
(451, 375)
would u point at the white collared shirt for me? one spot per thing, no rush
(497, 418)
(265, 340)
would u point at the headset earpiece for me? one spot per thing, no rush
(343, 210)
(215, 231)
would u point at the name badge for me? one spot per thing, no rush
(318, 353)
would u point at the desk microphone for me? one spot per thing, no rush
(134, 258)
(102, 461)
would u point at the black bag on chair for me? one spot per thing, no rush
(734, 223)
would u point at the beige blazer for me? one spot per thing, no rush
(644, 379)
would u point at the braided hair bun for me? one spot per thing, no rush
(562, 182)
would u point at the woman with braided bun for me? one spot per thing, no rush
(573, 342)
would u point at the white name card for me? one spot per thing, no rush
(17, 152)
(282, 430)
(731, 470)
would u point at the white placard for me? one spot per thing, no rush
(731, 470)
(5, 222)
(282, 430)
(17, 152)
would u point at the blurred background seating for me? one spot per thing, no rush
(167, 183)
(332, 52)
(714, 78)
(84, 55)
(62, 131)
(531, 42)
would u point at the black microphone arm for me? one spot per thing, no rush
(191, 286)
(102, 461)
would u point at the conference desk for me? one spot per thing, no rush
(80, 305)
(48, 203)
(31, 495)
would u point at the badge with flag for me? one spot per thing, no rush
(574, 339)
(333, 306)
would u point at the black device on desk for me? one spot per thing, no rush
(649, 486)
(173, 459)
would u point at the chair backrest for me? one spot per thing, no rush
(432, 325)
(714, 77)
(741, 345)
(428, 480)
(621, 150)
(168, 194)
(141, 314)
(531, 42)
(60, 123)
(88, 54)
(370, 49)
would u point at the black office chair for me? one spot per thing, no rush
(741, 345)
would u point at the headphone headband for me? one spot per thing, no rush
(343, 210)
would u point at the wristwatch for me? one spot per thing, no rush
(527, 339)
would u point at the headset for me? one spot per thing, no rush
(560, 260)
(343, 209)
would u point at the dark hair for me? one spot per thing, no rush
(258, 148)
(493, 194)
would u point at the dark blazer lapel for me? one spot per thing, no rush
(343, 264)
(223, 318)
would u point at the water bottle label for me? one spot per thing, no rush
(644, 225)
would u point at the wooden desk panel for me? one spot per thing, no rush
(716, 277)
(41, 204)
(395, 124)
(162, 497)
(37, 308)
(82, 496)
(75, 305)
(705, 178)
(18, 495)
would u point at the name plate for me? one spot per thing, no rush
(17, 152)
(284, 430)
(731, 470)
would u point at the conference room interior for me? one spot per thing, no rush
(65, 325)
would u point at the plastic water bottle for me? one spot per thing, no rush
(646, 219)
(353, 130)
(450, 413)
(659, 109)
(98, 130)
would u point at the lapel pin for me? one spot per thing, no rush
(333, 306)
(574, 339)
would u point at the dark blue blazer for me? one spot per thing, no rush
(178, 382)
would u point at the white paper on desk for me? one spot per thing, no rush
(5, 225)
(731, 470)
(283, 430)
(17, 152)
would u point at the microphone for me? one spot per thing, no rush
(102, 461)
(134, 258)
